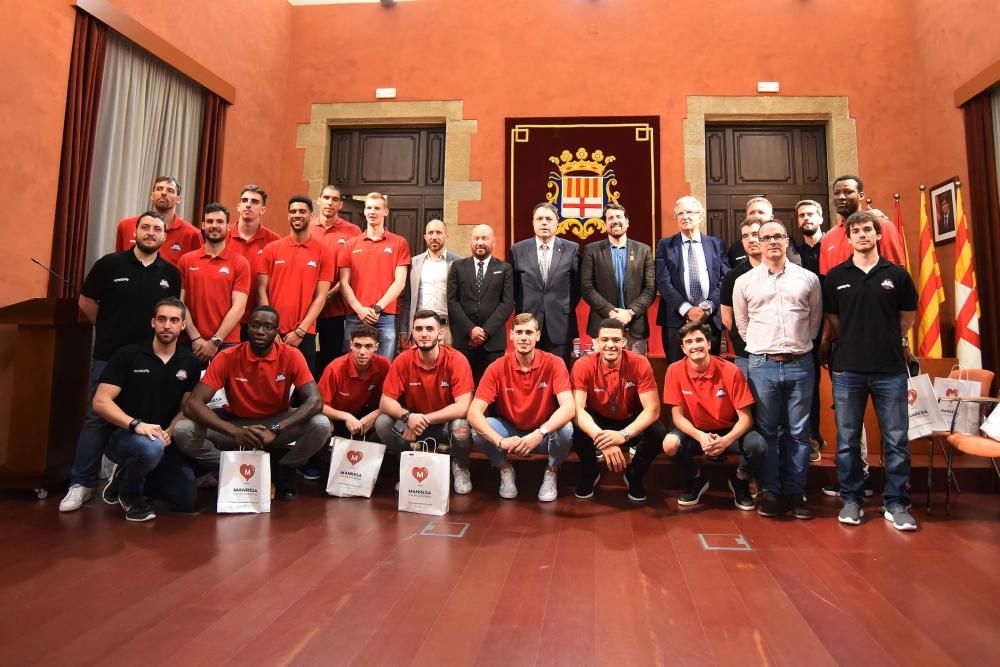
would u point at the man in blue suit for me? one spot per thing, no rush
(689, 270)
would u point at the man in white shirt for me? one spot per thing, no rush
(428, 284)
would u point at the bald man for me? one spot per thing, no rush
(427, 288)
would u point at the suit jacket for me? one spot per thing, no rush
(599, 286)
(554, 303)
(670, 278)
(489, 309)
(412, 291)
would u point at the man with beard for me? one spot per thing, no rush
(249, 237)
(749, 230)
(215, 282)
(759, 209)
(809, 216)
(351, 385)
(848, 193)
(140, 395)
(434, 383)
(428, 285)
(118, 294)
(618, 280)
(258, 376)
(182, 236)
(480, 299)
(294, 275)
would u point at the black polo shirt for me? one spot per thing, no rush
(150, 389)
(726, 299)
(868, 307)
(810, 257)
(127, 292)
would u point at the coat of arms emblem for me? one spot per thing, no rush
(581, 189)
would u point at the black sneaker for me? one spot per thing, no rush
(137, 508)
(284, 483)
(110, 493)
(800, 508)
(742, 497)
(585, 487)
(633, 486)
(694, 489)
(769, 504)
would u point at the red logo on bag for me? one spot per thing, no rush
(419, 474)
(354, 456)
(247, 471)
(951, 392)
(912, 396)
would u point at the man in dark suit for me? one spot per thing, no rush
(480, 299)
(689, 270)
(618, 280)
(547, 281)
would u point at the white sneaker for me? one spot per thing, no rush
(549, 490)
(461, 479)
(75, 498)
(508, 489)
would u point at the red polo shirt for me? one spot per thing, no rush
(525, 398)
(343, 389)
(619, 386)
(295, 269)
(428, 388)
(208, 283)
(182, 238)
(257, 386)
(710, 399)
(373, 266)
(251, 249)
(334, 238)
(836, 249)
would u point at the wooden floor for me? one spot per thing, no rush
(334, 581)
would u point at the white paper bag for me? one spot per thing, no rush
(968, 415)
(925, 412)
(354, 466)
(991, 427)
(424, 482)
(244, 482)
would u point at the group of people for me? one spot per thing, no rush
(345, 333)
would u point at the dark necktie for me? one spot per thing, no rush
(479, 277)
(694, 283)
(543, 265)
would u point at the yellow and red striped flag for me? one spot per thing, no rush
(967, 345)
(930, 290)
(906, 258)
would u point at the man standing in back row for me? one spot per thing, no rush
(182, 236)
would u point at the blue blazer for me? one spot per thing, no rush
(670, 278)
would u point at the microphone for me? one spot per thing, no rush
(49, 270)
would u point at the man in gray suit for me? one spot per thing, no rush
(618, 280)
(427, 288)
(547, 281)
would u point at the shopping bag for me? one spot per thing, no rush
(991, 427)
(244, 482)
(968, 414)
(424, 481)
(354, 466)
(925, 412)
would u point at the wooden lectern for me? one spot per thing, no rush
(47, 348)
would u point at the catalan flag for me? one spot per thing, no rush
(930, 289)
(967, 345)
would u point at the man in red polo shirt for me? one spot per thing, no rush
(294, 275)
(215, 282)
(249, 237)
(351, 385)
(848, 193)
(617, 407)
(373, 269)
(258, 377)
(534, 408)
(182, 236)
(332, 231)
(434, 382)
(710, 407)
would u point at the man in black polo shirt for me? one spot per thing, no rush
(118, 295)
(809, 218)
(140, 396)
(870, 305)
(752, 250)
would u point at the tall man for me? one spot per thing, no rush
(547, 281)
(870, 306)
(182, 236)
(351, 385)
(249, 237)
(534, 409)
(618, 280)
(750, 237)
(777, 309)
(689, 270)
(215, 282)
(809, 217)
(848, 193)
(294, 275)
(118, 294)
(258, 377)
(617, 407)
(428, 286)
(332, 231)
(373, 269)
(426, 395)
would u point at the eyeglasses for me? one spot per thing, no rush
(773, 238)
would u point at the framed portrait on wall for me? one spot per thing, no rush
(943, 211)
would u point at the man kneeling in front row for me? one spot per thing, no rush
(257, 376)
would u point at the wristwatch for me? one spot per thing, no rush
(134, 424)
(377, 308)
(544, 431)
(405, 416)
(216, 341)
(275, 429)
(625, 434)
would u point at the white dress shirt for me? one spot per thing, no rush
(777, 313)
(699, 249)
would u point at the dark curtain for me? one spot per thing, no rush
(213, 132)
(984, 211)
(69, 242)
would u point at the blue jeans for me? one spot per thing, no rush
(783, 390)
(888, 393)
(93, 435)
(165, 474)
(136, 455)
(386, 327)
(556, 444)
(742, 363)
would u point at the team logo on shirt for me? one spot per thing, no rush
(182, 375)
(239, 379)
(629, 383)
(279, 261)
(840, 287)
(444, 383)
(260, 252)
(311, 264)
(341, 241)
(371, 387)
(343, 393)
(164, 284)
(224, 269)
(192, 268)
(175, 247)
(888, 284)
(141, 370)
(543, 384)
(356, 250)
(720, 393)
(687, 392)
(388, 251)
(280, 378)
(120, 280)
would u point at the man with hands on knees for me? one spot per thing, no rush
(351, 385)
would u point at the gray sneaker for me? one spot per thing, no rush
(900, 517)
(851, 514)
